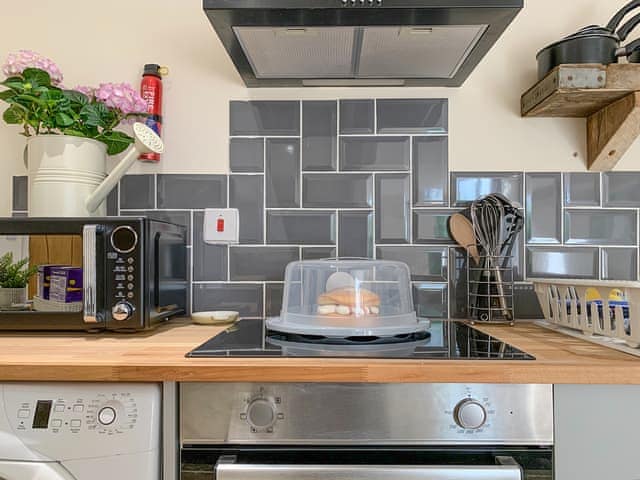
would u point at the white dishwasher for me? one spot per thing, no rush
(79, 431)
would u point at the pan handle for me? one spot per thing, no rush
(629, 48)
(617, 18)
(624, 31)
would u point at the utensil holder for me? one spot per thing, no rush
(490, 289)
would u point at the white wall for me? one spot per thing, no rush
(110, 41)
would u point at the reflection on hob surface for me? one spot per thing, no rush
(444, 340)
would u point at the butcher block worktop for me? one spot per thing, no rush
(160, 356)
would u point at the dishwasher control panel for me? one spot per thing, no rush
(103, 417)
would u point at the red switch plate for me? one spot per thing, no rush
(220, 225)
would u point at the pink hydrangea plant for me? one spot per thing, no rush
(17, 62)
(121, 96)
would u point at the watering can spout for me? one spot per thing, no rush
(146, 141)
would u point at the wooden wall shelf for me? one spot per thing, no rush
(608, 96)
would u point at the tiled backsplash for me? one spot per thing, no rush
(370, 178)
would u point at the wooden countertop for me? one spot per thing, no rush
(159, 356)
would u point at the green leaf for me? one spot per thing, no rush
(7, 94)
(116, 142)
(13, 115)
(36, 77)
(73, 132)
(90, 115)
(63, 120)
(14, 83)
(76, 97)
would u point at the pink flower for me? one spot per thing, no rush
(121, 96)
(16, 63)
(88, 91)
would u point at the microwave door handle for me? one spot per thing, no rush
(89, 274)
(228, 469)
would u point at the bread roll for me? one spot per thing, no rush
(350, 297)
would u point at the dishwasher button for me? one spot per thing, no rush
(78, 408)
(59, 407)
(23, 413)
(56, 423)
(75, 423)
(106, 415)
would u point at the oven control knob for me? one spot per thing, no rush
(261, 414)
(122, 311)
(470, 414)
(107, 415)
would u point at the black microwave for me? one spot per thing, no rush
(94, 274)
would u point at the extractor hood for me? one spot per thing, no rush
(294, 43)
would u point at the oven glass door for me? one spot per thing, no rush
(385, 463)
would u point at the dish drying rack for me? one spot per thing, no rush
(603, 312)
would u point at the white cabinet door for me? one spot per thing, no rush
(597, 432)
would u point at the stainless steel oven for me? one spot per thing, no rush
(245, 431)
(112, 273)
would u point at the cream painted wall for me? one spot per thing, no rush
(110, 41)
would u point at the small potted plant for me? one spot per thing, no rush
(69, 132)
(14, 278)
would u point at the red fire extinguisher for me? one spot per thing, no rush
(151, 92)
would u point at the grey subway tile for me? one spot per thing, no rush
(112, 201)
(19, 214)
(192, 191)
(273, 299)
(582, 189)
(469, 186)
(260, 263)
(413, 115)
(619, 263)
(246, 155)
(283, 172)
(20, 193)
(319, 135)
(137, 192)
(458, 295)
(543, 207)
(356, 116)
(315, 253)
(374, 153)
(209, 261)
(266, 118)
(432, 226)
(600, 227)
(329, 190)
(430, 171)
(245, 298)
(246, 194)
(293, 227)
(427, 264)
(356, 232)
(430, 300)
(178, 217)
(620, 189)
(393, 221)
(562, 262)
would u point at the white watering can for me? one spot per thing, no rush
(67, 175)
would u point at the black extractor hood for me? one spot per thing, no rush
(296, 43)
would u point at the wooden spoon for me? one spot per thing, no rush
(462, 232)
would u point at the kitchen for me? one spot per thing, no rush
(474, 141)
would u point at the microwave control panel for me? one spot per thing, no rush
(123, 273)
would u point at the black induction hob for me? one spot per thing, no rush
(445, 339)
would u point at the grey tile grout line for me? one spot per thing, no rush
(411, 192)
(191, 269)
(264, 191)
(300, 157)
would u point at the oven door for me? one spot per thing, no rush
(366, 463)
(228, 468)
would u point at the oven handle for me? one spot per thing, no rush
(227, 468)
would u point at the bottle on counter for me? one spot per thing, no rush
(151, 92)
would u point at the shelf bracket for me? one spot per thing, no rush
(611, 131)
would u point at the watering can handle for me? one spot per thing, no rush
(25, 156)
